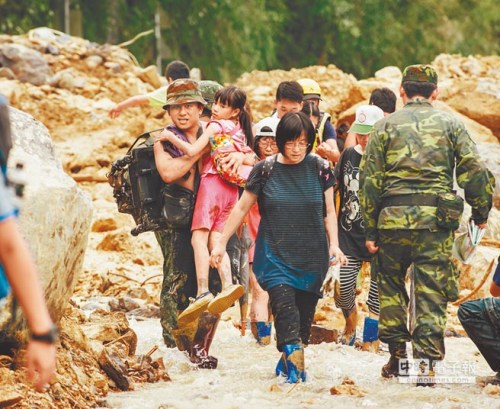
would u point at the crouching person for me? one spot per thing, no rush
(481, 320)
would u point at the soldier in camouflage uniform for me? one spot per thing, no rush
(411, 212)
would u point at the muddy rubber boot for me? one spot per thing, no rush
(184, 335)
(294, 363)
(261, 330)
(281, 366)
(398, 351)
(427, 378)
(207, 325)
(370, 335)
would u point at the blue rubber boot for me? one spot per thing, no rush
(294, 362)
(262, 331)
(370, 330)
(281, 366)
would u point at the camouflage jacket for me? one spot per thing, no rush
(415, 151)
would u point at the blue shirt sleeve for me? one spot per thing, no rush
(496, 275)
(329, 131)
(7, 208)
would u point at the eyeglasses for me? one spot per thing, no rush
(187, 106)
(298, 144)
(266, 144)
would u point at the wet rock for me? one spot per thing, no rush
(348, 387)
(55, 216)
(9, 397)
(124, 304)
(321, 334)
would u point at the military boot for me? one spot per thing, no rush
(184, 335)
(261, 330)
(397, 351)
(207, 325)
(426, 375)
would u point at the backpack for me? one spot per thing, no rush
(139, 190)
(136, 185)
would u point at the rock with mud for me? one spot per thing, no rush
(55, 215)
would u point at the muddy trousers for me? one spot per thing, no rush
(435, 283)
(293, 312)
(179, 278)
(481, 321)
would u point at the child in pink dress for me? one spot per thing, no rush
(229, 132)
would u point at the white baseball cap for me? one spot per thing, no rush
(270, 123)
(366, 116)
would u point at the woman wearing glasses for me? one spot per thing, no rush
(297, 237)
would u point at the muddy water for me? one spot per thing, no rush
(245, 378)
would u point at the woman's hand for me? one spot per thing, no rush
(40, 363)
(323, 150)
(216, 254)
(337, 256)
(232, 161)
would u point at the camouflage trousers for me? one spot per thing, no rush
(435, 283)
(179, 277)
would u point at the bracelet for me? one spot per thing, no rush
(49, 337)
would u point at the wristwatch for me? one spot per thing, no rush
(49, 337)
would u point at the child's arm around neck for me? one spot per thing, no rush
(195, 148)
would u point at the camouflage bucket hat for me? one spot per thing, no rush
(420, 73)
(208, 89)
(183, 90)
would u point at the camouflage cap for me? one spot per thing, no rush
(208, 89)
(183, 90)
(420, 73)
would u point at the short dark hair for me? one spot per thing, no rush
(311, 109)
(291, 126)
(291, 90)
(384, 98)
(176, 69)
(423, 89)
(342, 131)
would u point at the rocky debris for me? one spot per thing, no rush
(321, 334)
(347, 387)
(338, 90)
(118, 361)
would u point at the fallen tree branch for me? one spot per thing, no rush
(149, 278)
(89, 178)
(133, 40)
(124, 276)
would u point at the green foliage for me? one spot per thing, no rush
(224, 38)
(228, 37)
(19, 16)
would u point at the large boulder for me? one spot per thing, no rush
(471, 86)
(55, 216)
(26, 64)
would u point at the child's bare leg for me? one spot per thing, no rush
(230, 292)
(199, 241)
(225, 267)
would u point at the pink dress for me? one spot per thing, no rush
(216, 197)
